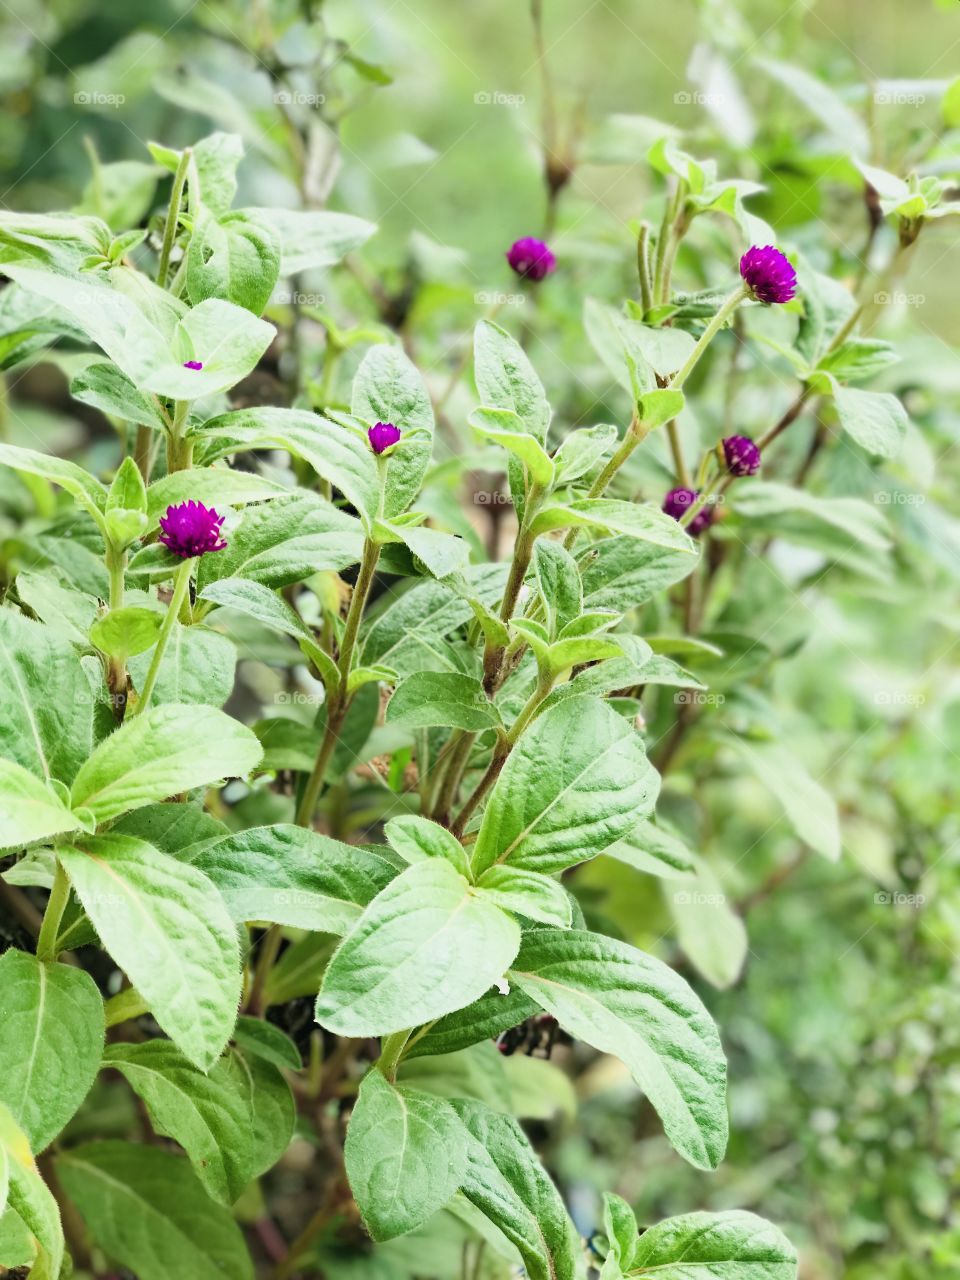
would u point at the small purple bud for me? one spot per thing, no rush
(768, 274)
(742, 456)
(191, 529)
(382, 435)
(531, 259)
(193, 364)
(679, 501)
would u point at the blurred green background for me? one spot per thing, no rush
(428, 118)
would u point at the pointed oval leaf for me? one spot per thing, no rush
(165, 925)
(426, 945)
(628, 1004)
(166, 750)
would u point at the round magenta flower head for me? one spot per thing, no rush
(191, 529)
(679, 501)
(531, 259)
(741, 455)
(382, 435)
(768, 274)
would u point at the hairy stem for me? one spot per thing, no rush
(56, 905)
(181, 585)
(339, 699)
(173, 216)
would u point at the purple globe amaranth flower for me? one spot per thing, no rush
(191, 529)
(531, 259)
(741, 455)
(679, 501)
(382, 435)
(193, 364)
(768, 274)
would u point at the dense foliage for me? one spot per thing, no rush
(561, 665)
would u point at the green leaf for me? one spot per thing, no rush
(735, 1245)
(582, 450)
(285, 541)
(809, 807)
(506, 380)
(429, 698)
(507, 1183)
(876, 420)
(652, 849)
(202, 1112)
(632, 518)
(621, 573)
(270, 1102)
(624, 1002)
(28, 1196)
(147, 1210)
(198, 666)
(127, 631)
(127, 492)
(335, 452)
(70, 612)
(481, 1021)
(235, 256)
(150, 347)
(405, 1156)
(654, 408)
(845, 125)
(506, 428)
(263, 1040)
(709, 931)
(30, 809)
(160, 753)
(51, 1025)
(576, 781)
(291, 876)
(417, 839)
(215, 486)
(107, 389)
(213, 170)
(529, 894)
(167, 928)
(50, 736)
(559, 581)
(387, 387)
(314, 238)
(442, 554)
(426, 945)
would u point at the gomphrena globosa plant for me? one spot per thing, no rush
(345, 919)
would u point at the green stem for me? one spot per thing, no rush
(173, 216)
(125, 1005)
(391, 1051)
(339, 699)
(269, 950)
(643, 267)
(179, 446)
(56, 905)
(716, 324)
(181, 585)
